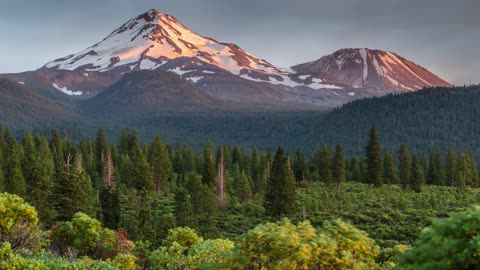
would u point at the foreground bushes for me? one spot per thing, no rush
(82, 243)
(451, 243)
(336, 245)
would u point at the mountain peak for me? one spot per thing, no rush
(152, 39)
(372, 68)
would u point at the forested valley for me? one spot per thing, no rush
(95, 205)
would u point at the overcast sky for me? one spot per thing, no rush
(440, 35)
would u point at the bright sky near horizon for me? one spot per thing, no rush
(440, 35)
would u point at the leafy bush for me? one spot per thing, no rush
(18, 223)
(451, 243)
(84, 236)
(184, 249)
(284, 245)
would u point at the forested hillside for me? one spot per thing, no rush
(427, 119)
(162, 206)
(436, 118)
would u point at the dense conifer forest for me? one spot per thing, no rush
(426, 120)
(93, 204)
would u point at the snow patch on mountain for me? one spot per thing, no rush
(65, 90)
(363, 53)
(195, 79)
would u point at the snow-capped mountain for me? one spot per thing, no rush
(365, 68)
(151, 39)
(154, 40)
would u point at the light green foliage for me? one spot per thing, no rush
(451, 243)
(389, 256)
(11, 260)
(389, 214)
(87, 237)
(353, 250)
(184, 249)
(337, 245)
(185, 237)
(18, 223)
(124, 262)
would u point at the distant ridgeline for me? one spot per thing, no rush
(425, 120)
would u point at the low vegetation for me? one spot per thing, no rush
(94, 205)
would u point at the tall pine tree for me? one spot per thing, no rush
(161, 165)
(280, 192)
(416, 175)
(14, 180)
(42, 182)
(404, 166)
(374, 159)
(451, 167)
(338, 168)
(208, 172)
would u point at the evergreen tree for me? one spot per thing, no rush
(10, 140)
(325, 165)
(188, 160)
(464, 171)
(222, 188)
(298, 166)
(74, 192)
(208, 172)
(209, 211)
(338, 170)
(101, 148)
(356, 170)
(183, 209)
(374, 159)
(57, 146)
(14, 180)
(280, 192)
(42, 183)
(475, 174)
(178, 160)
(404, 166)
(142, 172)
(416, 176)
(194, 186)
(390, 170)
(423, 159)
(126, 171)
(436, 172)
(243, 188)
(144, 217)
(451, 167)
(28, 159)
(110, 204)
(161, 165)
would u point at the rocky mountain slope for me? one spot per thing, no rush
(215, 72)
(20, 106)
(375, 69)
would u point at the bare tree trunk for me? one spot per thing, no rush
(109, 177)
(222, 200)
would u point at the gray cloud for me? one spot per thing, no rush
(441, 35)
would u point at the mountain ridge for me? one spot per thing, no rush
(225, 72)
